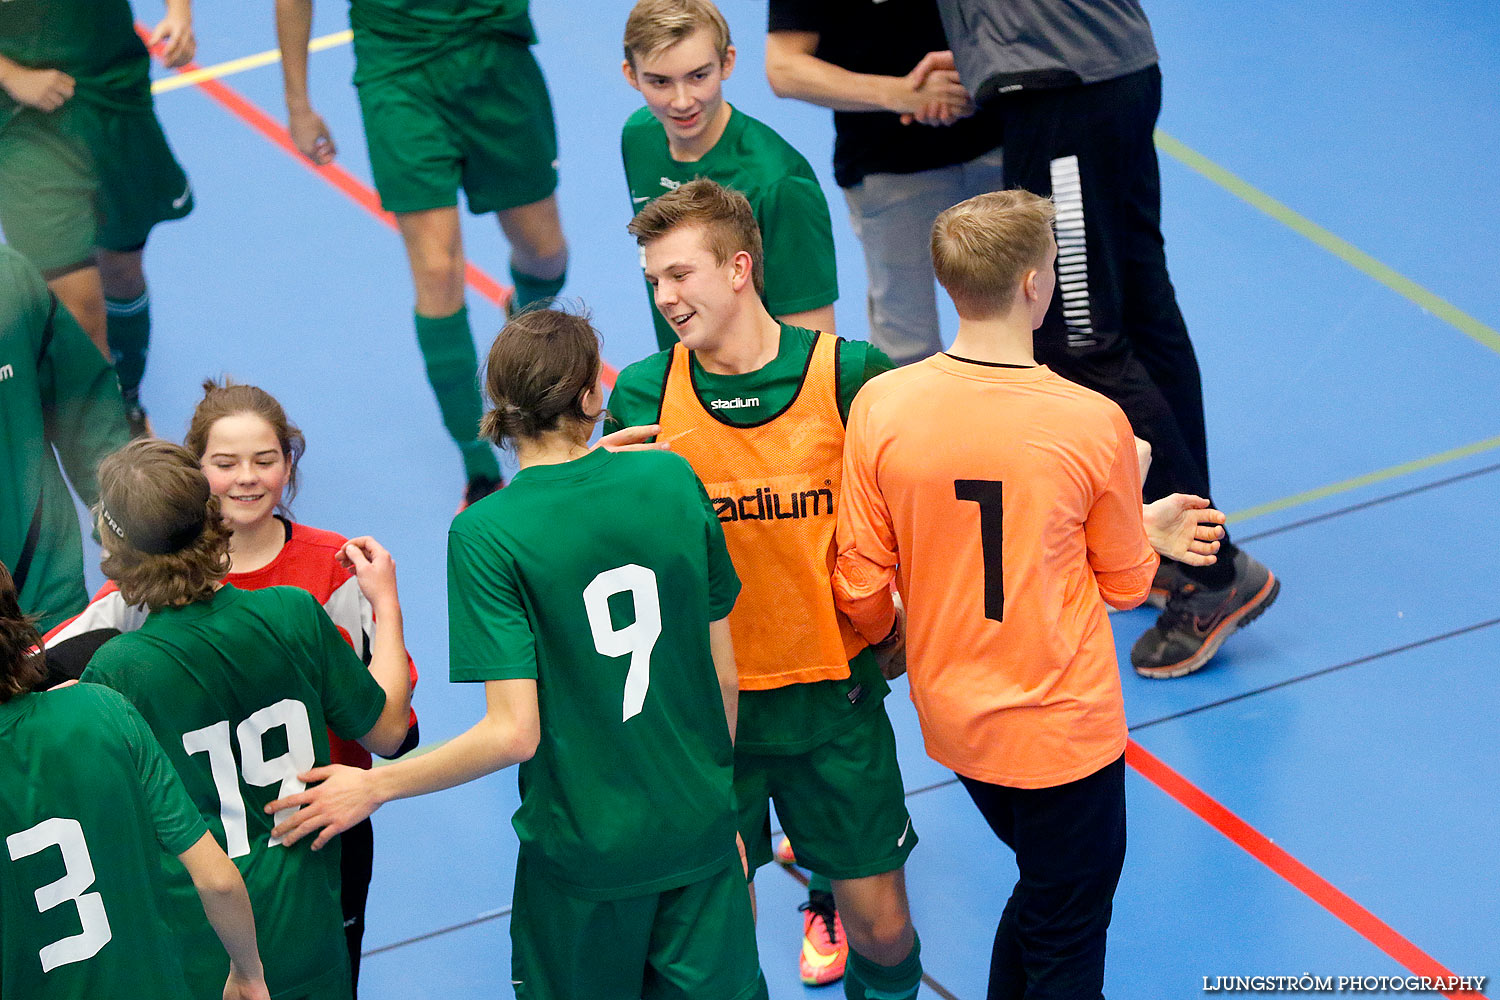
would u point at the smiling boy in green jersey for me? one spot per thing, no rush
(451, 97)
(85, 170)
(678, 55)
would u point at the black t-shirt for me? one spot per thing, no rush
(887, 38)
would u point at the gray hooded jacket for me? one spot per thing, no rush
(1002, 46)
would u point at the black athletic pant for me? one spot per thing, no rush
(1070, 848)
(1114, 325)
(357, 866)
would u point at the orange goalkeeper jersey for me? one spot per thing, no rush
(1006, 502)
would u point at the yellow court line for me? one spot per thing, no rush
(245, 63)
(1342, 249)
(1368, 479)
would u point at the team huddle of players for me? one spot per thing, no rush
(660, 680)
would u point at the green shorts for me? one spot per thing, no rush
(842, 802)
(696, 941)
(477, 117)
(86, 177)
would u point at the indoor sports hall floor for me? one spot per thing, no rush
(1320, 799)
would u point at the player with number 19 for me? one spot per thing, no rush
(591, 597)
(241, 688)
(88, 803)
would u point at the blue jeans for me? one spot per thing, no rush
(892, 215)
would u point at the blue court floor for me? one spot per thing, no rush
(1332, 213)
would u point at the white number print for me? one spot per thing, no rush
(78, 875)
(638, 638)
(214, 741)
(288, 714)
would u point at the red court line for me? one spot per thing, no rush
(340, 179)
(1260, 847)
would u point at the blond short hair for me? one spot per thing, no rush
(983, 247)
(724, 214)
(656, 25)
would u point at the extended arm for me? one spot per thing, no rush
(83, 413)
(227, 904)
(174, 33)
(376, 572)
(866, 541)
(508, 734)
(293, 32)
(1119, 553)
(722, 645)
(1184, 528)
(931, 95)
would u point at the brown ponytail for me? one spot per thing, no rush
(536, 373)
(21, 658)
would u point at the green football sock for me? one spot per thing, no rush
(537, 279)
(128, 323)
(452, 370)
(864, 980)
(817, 883)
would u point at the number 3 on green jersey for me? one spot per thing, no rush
(213, 740)
(638, 638)
(78, 875)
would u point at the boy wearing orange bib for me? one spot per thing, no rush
(758, 409)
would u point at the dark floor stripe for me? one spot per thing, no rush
(1352, 508)
(483, 918)
(1317, 673)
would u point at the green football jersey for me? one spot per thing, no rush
(88, 805)
(93, 41)
(797, 717)
(395, 35)
(782, 189)
(599, 578)
(241, 690)
(56, 392)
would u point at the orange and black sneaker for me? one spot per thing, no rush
(1198, 619)
(825, 949)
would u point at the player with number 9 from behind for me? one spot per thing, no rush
(591, 598)
(88, 804)
(241, 688)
